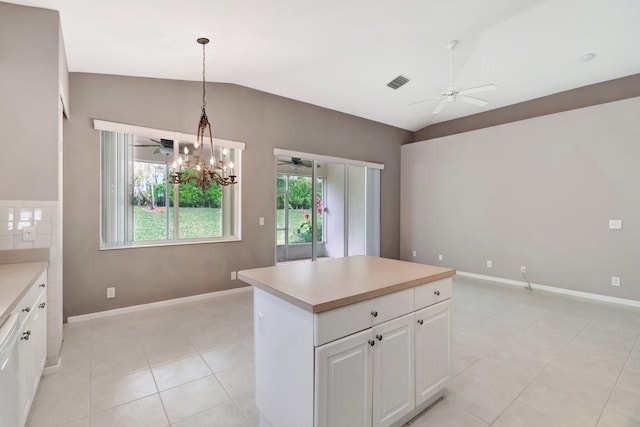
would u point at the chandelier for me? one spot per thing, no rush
(193, 166)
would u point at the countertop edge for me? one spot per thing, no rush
(351, 299)
(44, 264)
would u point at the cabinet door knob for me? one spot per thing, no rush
(372, 343)
(26, 309)
(420, 321)
(374, 313)
(43, 305)
(437, 292)
(26, 335)
(379, 337)
(42, 285)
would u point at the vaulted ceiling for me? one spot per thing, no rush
(341, 54)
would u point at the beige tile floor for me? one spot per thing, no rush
(520, 358)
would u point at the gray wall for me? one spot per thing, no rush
(262, 121)
(536, 192)
(29, 80)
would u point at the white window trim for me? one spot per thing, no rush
(104, 125)
(159, 133)
(329, 159)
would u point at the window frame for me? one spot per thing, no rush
(102, 125)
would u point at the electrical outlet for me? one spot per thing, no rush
(29, 234)
(440, 257)
(489, 263)
(111, 292)
(260, 319)
(234, 275)
(415, 253)
(615, 281)
(261, 220)
(523, 269)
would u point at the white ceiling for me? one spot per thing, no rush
(340, 54)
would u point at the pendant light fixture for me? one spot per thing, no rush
(194, 166)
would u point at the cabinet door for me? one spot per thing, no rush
(393, 371)
(40, 337)
(343, 381)
(433, 350)
(26, 371)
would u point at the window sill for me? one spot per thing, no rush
(156, 243)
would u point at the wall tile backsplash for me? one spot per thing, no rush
(46, 220)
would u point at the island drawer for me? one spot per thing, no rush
(432, 293)
(337, 323)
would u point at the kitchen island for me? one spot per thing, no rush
(355, 341)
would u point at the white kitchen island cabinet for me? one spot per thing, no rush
(356, 341)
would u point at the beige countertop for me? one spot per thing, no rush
(15, 280)
(335, 282)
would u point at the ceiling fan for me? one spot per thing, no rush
(163, 146)
(296, 162)
(454, 93)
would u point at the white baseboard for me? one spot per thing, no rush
(53, 368)
(563, 291)
(166, 303)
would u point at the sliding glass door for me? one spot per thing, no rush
(324, 208)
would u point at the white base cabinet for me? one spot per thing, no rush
(374, 363)
(32, 343)
(433, 350)
(393, 371)
(344, 390)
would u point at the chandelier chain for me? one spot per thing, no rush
(204, 90)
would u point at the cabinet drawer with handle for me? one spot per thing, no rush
(340, 322)
(31, 299)
(432, 293)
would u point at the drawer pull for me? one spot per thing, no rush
(43, 305)
(26, 309)
(26, 335)
(420, 321)
(437, 293)
(42, 285)
(374, 313)
(372, 343)
(379, 337)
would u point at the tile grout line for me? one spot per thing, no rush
(155, 382)
(626, 363)
(542, 370)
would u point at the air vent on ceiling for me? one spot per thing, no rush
(397, 82)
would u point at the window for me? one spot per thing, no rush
(139, 204)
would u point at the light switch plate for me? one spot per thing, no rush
(615, 281)
(615, 224)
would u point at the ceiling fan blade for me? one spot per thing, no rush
(471, 100)
(424, 100)
(146, 145)
(478, 89)
(440, 106)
